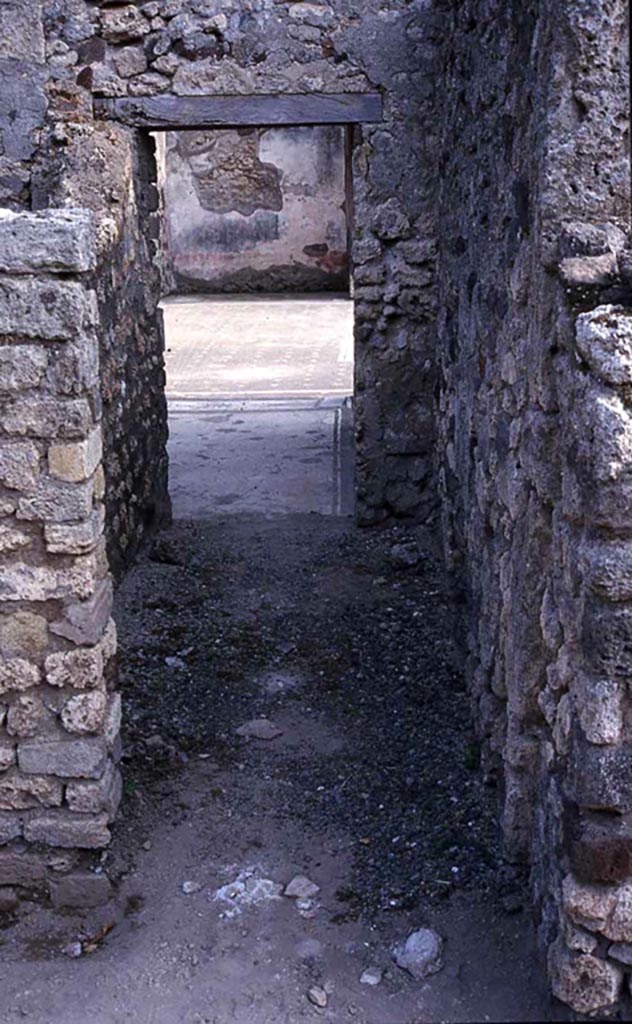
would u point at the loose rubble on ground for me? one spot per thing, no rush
(307, 829)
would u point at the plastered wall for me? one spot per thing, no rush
(255, 210)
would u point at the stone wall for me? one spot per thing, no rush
(256, 210)
(534, 453)
(59, 717)
(204, 47)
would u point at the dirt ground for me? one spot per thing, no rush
(372, 789)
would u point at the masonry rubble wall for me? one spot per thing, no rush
(59, 713)
(189, 47)
(255, 209)
(535, 450)
(531, 433)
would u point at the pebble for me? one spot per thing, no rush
(404, 554)
(317, 996)
(190, 887)
(420, 954)
(259, 729)
(73, 949)
(371, 976)
(301, 887)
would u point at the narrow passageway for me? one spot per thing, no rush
(303, 787)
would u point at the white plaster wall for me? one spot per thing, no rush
(301, 246)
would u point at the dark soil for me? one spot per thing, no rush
(368, 638)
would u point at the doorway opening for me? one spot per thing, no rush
(258, 319)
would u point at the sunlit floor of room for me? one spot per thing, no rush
(259, 392)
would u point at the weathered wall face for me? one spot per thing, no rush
(99, 382)
(535, 453)
(190, 47)
(256, 209)
(59, 716)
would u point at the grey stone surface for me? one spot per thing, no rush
(85, 621)
(52, 310)
(85, 758)
(51, 240)
(81, 889)
(420, 954)
(19, 466)
(21, 367)
(85, 832)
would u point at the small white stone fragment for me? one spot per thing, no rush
(73, 949)
(317, 996)
(259, 729)
(371, 976)
(188, 888)
(420, 954)
(301, 887)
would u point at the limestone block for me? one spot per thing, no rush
(10, 828)
(81, 889)
(604, 339)
(124, 24)
(588, 271)
(584, 982)
(108, 643)
(49, 240)
(21, 366)
(62, 829)
(97, 797)
(74, 538)
(99, 484)
(19, 466)
(7, 756)
(23, 633)
(17, 674)
(18, 793)
(22, 107)
(84, 622)
(600, 710)
(76, 462)
(601, 776)
(311, 14)
(20, 868)
(607, 568)
(85, 758)
(21, 582)
(605, 433)
(84, 713)
(130, 60)
(606, 636)
(621, 951)
(81, 669)
(75, 368)
(57, 502)
(390, 221)
(21, 31)
(12, 539)
(46, 308)
(112, 723)
(47, 417)
(602, 851)
(26, 717)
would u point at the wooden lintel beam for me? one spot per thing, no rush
(176, 113)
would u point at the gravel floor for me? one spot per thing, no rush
(371, 786)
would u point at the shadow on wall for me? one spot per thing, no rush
(255, 209)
